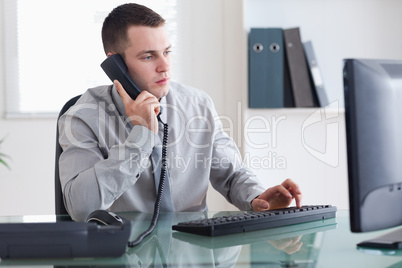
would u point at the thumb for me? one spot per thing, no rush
(259, 204)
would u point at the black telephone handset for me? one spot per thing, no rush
(116, 69)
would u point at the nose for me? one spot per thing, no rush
(163, 64)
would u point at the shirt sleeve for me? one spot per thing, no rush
(229, 175)
(92, 175)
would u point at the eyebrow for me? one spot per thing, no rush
(152, 51)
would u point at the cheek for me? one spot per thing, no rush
(141, 83)
(140, 77)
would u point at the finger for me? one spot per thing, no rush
(272, 191)
(150, 100)
(290, 184)
(145, 95)
(122, 92)
(298, 198)
(294, 189)
(157, 110)
(277, 197)
(259, 204)
(296, 239)
(156, 106)
(294, 248)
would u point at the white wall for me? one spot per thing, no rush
(307, 145)
(28, 187)
(217, 63)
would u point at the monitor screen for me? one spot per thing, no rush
(373, 114)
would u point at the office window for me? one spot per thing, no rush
(53, 50)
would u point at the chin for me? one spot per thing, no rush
(162, 92)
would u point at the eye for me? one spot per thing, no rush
(147, 57)
(167, 52)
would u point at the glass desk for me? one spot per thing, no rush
(326, 243)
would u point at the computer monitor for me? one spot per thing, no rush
(373, 113)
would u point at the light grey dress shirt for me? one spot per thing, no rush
(106, 163)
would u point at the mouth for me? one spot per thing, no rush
(163, 81)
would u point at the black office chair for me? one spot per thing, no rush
(60, 208)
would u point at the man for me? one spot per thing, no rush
(109, 140)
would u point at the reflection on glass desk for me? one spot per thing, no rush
(327, 243)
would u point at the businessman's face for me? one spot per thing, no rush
(148, 59)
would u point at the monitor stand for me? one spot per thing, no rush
(391, 240)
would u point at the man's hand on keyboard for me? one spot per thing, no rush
(279, 196)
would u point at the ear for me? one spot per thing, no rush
(110, 54)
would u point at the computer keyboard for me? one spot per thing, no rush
(253, 220)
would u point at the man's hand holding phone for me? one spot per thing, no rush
(141, 111)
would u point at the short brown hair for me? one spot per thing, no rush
(116, 24)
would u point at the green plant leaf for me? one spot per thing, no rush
(4, 163)
(2, 156)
